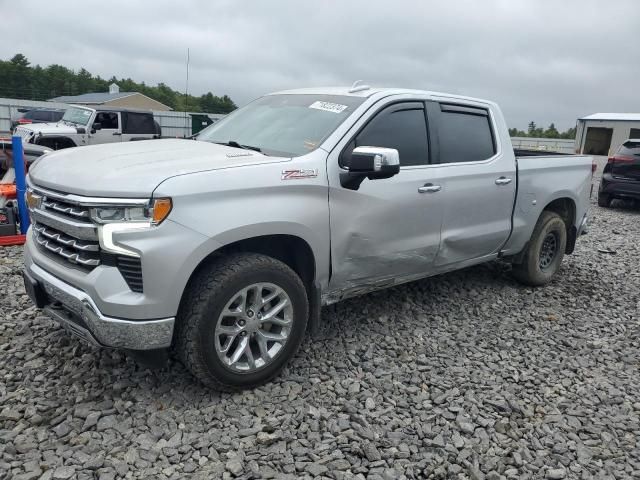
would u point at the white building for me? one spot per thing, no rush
(603, 133)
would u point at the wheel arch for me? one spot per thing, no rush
(292, 250)
(57, 142)
(565, 207)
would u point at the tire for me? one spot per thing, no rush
(213, 291)
(538, 268)
(604, 200)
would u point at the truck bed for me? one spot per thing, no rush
(542, 178)
(521, 152)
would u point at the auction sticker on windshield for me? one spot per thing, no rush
(328, 107)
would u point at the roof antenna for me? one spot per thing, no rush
(186, 100)
(356, 87)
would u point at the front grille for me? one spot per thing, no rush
(79, 252)
(63, 229)
(131, 270)
(22, 133)
(70, 210)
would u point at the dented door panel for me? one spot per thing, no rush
(384, 231)
(476, 212)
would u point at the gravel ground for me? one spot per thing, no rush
(466, 375)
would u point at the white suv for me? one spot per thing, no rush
(91, 126)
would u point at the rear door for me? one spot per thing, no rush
(626, 161)
(478, 181)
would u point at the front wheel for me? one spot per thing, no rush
(545, 251)
(241, 320)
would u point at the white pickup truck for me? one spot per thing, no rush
(226, 247)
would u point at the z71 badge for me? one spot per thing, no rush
(299, 174)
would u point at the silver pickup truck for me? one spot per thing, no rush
(226, 247)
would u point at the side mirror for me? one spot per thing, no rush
(373, 163)
(95, 127)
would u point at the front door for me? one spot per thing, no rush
(109, 132)
(388, 230)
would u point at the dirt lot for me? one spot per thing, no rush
(465, 375)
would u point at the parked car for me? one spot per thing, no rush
(30, 152)
(226, 247)
(91, 126)
(621, 174)
(37, 115)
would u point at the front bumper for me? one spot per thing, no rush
(77, 313)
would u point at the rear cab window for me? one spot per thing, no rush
(626, 162)
(630, 148)
(465, 133)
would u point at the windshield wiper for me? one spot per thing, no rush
(233, 143)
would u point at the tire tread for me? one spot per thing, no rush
(202, 289)
(523, 271)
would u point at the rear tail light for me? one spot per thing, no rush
(620, 159)
(24, 121)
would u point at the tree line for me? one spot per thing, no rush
(536, 132)
(20, 79)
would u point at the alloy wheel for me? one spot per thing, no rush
(253, 327)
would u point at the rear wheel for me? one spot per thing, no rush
(545, 251)
(604, 200)
(242, 319)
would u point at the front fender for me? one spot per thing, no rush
(232, 204)
(56, 142)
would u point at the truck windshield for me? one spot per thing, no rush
(283, 125)
(77, 116)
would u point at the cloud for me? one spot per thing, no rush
(539, 59)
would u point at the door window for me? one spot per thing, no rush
(401, 126)
(464, 134)
(108, 120)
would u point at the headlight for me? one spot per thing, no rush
(120, 219)
(154, 213)
(119, 214)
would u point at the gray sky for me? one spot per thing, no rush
(542, 60)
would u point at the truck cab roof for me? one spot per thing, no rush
(362, 92)
(100, 108)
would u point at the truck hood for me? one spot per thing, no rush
(134, 169)
(49, 128)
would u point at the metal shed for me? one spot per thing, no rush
(603, 133)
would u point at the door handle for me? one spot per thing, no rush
(503, 181)
(117, 133)
(429, 188)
